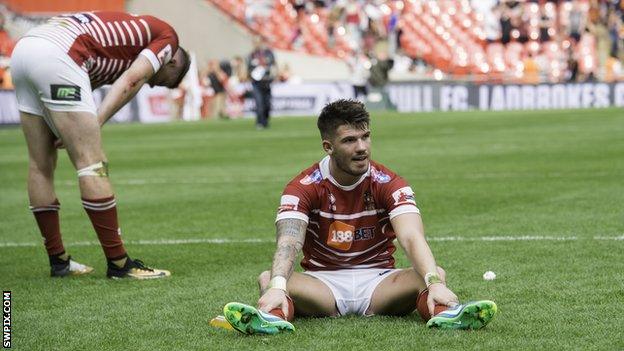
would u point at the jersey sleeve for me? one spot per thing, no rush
(398, 197)
(163, 42)
(296, 201)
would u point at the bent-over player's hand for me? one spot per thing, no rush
(273, 298)
(58, 144)
(441, 295)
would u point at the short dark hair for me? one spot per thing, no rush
(342, 112)
(185, 67)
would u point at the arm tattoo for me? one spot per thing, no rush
(290, 238)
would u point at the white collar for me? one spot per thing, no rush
(324, 167)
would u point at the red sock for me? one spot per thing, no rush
(103, 215)
(423, 310)
(291, 310)
(47, 218)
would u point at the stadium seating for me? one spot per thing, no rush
(447, 35)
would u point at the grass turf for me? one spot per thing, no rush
(554, 174)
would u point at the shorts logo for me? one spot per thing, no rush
(404, 196)
(288, 203)
(340, 235)
(65, 92)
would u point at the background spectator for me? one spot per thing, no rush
(261, 67)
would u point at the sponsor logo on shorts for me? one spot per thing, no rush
(404, 196)
(288, 203)
(65, 92)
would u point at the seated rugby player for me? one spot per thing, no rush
(345, 212)
(55, 67)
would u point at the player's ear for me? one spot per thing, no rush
(328, 147)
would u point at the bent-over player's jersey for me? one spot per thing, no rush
(105, 43)
(348, 226)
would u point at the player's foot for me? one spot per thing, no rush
(470, 315)
(135, 269)
(250, 320)
(221, 323)
(60, 268)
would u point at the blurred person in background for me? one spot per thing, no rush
(576, 20)
(55, 66)
(572, 71)
(359, 66)
(597, 26)
(531, 72)
(261, 66)
(236, 88)
(5, 74)
(381, 65)
(615, 28)
(217, 79)
(379, 71)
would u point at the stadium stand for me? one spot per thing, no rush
(447, 35)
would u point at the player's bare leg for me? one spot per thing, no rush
(42, 156)
(41, 159)
(396, 295)
(311, 297)
(80, 133)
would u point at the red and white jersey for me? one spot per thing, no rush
(348, 226)
(105, 43)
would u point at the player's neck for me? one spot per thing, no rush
(343, 178)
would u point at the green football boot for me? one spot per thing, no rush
(470, 315)
(250, 320)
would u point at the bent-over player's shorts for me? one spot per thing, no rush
(45, 76)
(352, 288)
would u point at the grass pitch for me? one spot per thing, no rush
(547, 185)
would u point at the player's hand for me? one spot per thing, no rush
(58, 144)
(273, 298)
(440, 294)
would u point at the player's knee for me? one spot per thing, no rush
(99, 169)
(43, 167)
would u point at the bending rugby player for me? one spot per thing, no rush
(55, 67)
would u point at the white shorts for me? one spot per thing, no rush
(45, 76)
(352, 288)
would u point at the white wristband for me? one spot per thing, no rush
(278, 282)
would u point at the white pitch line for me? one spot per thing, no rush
(504, 238)
(621, 237)
(149, 242)
(218, 241)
